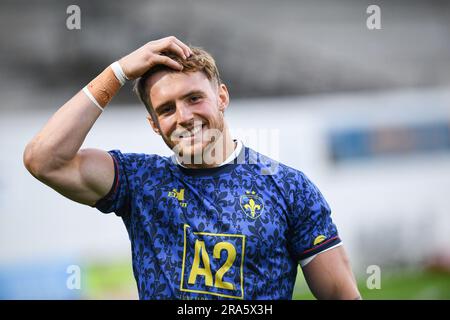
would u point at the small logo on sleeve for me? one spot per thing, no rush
(319, 239)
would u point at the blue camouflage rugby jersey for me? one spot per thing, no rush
(237, 231)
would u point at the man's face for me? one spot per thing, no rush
(188, 107)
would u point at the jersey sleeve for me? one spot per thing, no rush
(117, 200)
(311, 227)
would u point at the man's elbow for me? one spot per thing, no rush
(29, 160)
(39, 162)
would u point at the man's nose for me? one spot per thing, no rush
(183, 113)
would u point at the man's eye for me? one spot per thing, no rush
(166, 110)
(195, 98)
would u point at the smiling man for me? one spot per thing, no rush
(187, 109)
(216, 220)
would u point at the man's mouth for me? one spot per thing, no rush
(189, 134)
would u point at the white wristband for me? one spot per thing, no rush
(91, 97)
(118, 71)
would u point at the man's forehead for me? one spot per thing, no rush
(164, 83)
(167, 77)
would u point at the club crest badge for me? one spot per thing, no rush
(251, 204)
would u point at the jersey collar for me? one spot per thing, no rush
(231, 157)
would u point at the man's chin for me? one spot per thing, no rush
(190, 154)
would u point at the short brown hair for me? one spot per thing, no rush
(200, 60)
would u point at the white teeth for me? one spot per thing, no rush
(196, 130)
(193, 132)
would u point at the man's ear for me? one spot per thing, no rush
(153, 124)
(224, 97)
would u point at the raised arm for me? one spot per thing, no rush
(329, 276)
(54, 157)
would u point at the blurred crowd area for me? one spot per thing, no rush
(263, 48)
(364, 113)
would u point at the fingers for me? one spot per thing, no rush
(174, 45)
(168, 62)
(141, 60)
(151, 55)
(187, 51)
(175, 48)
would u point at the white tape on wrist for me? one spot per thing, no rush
(118, 71)
(91, 97)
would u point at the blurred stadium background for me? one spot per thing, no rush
(364, 113)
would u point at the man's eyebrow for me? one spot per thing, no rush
(190, 93)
